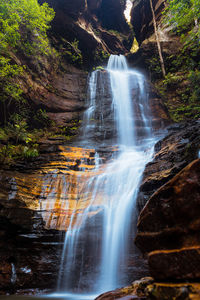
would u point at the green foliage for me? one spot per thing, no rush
(100, 55)
(194, 79)
(10, 153)
(154, 67)
(30, 152)
(184, 112)
(16, 142)
(72, 128)
(23, 25)
(100, 68)
(115, 32)
(180, 88)
(181, 91)
(41, 119)
(9, 90)
(23, 28)
(17, 130)
(72, 52)
(184, 16)
(3, 135)
(172, 79)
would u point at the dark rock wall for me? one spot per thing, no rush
(168, 225)
(87, 21)
(80, 33)
(142, 19)
(111, 14)
(172, 154)
(33, 219)
(62, 95)
(29, 253)
(59, 89)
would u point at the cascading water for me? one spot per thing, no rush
(96, 251)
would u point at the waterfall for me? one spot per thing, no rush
(97, 249)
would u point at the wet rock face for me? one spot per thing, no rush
(170, 219)
(101, 125)
(147, 288)
(172, 154)
(179, 263)
(170, 222)
(36, 204)
(28, 260)
(29, 254)
(134, 291)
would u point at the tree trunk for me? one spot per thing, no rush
(157, 40)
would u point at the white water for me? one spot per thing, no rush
(97, 250)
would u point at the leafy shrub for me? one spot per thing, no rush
(30, 152)
(10, 153)
(41, 119)
(194, 78)
(3, 135)
(24, 24)
(154, 67)
(23, 28)
(72, 52)
(184, 17)
(100, 55)
(172, 79)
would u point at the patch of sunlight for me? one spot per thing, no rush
(127, 11)
(135, 46)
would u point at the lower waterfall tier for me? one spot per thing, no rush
(36, 209)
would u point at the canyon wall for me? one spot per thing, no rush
(142, 20)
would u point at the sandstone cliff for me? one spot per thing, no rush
(83, 34)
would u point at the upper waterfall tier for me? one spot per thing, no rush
(118, 111)
(121, 100)
(117, 63)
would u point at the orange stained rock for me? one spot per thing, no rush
(61, 194)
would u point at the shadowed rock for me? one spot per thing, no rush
(172, 154)
(170, 219)
(179, 264)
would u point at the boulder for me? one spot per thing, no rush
(180, 147)
(135, 291)
(146, 288)
(180, 264)
(170, 219)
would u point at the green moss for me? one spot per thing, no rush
(100, 56)
(180, 89)
(40, 119)
(10, 153)
(71, 52)
(99, 68)
(153, 64)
